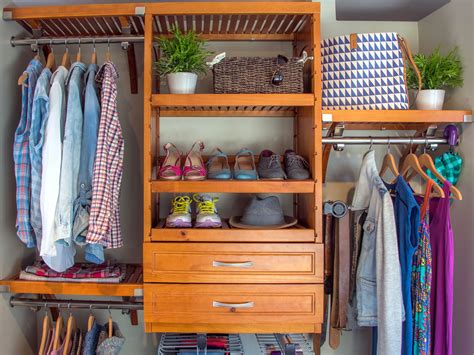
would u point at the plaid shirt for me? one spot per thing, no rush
(449, 165)
(77, 271)
(21, 157)
(104, 222)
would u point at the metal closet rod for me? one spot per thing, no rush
(74, 40)
(77, 304)
(383, 140)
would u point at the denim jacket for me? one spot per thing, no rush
(71, 155)
(93, 252)
(39, 118)
(379, 287)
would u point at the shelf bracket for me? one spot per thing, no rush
(335, 130)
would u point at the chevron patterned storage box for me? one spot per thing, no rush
(368, 77)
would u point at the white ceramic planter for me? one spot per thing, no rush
(430, 100)
(182, 83)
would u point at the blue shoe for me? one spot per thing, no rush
(218, 166)
(244, 168)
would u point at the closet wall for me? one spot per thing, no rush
(449, 26)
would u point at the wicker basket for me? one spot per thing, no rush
(253, 75)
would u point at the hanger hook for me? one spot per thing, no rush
(411, 144)
(46, 308)
(93, 44)
(371, 143)
(388, 146)
(110, 313)
(79, 44)
(51, 45)
(426, 144)
(65, 43)
(108, 44)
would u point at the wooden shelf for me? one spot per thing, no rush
(227, 234)
(131, 286)
(398, 116)
(234, 186)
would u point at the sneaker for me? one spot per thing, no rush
(296, 166)
(269, 166)
(207, 216)
(180, 215)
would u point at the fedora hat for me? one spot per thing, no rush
(263, 213)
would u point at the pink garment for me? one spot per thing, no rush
(442, 248)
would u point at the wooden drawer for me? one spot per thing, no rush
(233, 263)
(280, 306)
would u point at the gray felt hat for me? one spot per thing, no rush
(263, 213)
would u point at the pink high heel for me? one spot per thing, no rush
(171, 167)
(194, 165)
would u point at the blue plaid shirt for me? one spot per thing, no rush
(21, 156)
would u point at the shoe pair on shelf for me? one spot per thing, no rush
(244, 167)
(269, 166)
(192, 169)
(206, 212)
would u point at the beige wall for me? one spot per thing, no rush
(452, 26)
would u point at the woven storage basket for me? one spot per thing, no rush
(253, 75)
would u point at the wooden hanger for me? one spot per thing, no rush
(50, 61)
(78, 55)
(389, 163)
(24, 75)
(411, 162)
(94, 53)
(66, 61)
(90, 320)
(111, 328)
(47, 326)
(108, 55)
(59, 329)
(70, 330)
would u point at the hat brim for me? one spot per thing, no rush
(234, 221)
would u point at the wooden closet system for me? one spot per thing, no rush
(183, 289)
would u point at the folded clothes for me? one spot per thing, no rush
(30, 277)
(78, 271)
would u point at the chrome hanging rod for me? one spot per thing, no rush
(384, 140)
(76, 304)
(74, 40)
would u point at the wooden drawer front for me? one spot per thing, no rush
(233, 304)
(233, 263)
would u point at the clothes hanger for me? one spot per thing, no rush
(108, 55)
(94, 53)
(90, 321)
(78, 55)
(389, 163)
(427, 162)
(411, 162)
(59, 329)
(110, 323)
(50, 62)
(66, 61)
(70, 329)
(47, 326)
(24, 75)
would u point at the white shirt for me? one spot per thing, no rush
(59, 258)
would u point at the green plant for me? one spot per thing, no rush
(437, 71)
(183, 52)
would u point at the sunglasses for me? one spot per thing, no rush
(278, 77)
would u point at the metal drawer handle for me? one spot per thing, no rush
(218, 304)
(244, 264)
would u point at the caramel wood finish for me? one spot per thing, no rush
(71, 11)
(235, 186)
(284, 306)
(233, 263)
(227, 112)
(397, 116)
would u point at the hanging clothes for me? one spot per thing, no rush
(421, 282)
(112, 345)
(104, 222)
(93, 252)
(407, 218)
(21, 156)
(58, 257)
(378, 291)
(39, 117)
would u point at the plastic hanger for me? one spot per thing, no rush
(108, 55)
(78, 55)
(47, 326)
(59, 329)
(94, 53)
(389, 163)
(90, 320)
(411, 162)
(50, 62)
(66, 61)
(110, 324)
(70, 329)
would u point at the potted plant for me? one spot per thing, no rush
(438, 73)
(183, 57)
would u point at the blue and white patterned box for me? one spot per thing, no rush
(369, 77)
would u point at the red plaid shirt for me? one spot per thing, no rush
(77, 271)
(104, 222)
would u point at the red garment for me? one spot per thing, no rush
(78, 271)
(104, 222)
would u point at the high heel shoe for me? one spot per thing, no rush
(171, 167)
(193, 168)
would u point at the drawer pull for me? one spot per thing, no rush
(218, 304)
(244, 264)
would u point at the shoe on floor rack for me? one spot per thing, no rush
(206, 212)
(269, 166)
(180, 214)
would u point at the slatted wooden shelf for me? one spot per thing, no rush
(398, 116)
(234, 186)
(228, 234)
(131, 286)
(227, 111)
